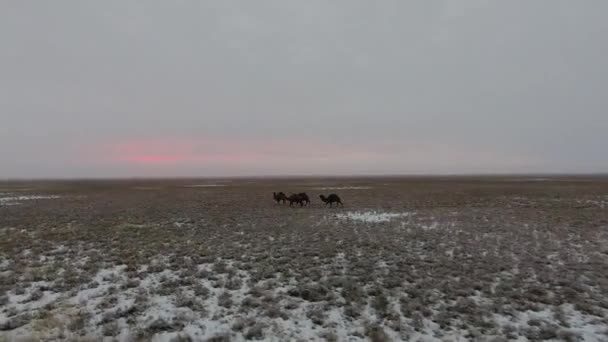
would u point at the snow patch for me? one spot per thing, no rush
(15, 200)
(370, 216)
(593, 203)
(203, 185)
(345, 188)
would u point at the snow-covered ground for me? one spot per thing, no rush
(198, 265)
(12, 199)
(221, 301)
(371, 216)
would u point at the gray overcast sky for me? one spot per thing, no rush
(212, 88)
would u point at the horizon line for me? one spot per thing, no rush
(292, 176)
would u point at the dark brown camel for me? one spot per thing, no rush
(305, 198)
(295, 198)
(331, 199)
(279, 197)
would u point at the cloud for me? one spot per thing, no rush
(195, 88)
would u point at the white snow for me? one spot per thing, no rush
(597, 203)
(586, 326)
(15, 200)
(203, 185)
(216, 320)
(370, 216)
(4, 264)
(344, 188)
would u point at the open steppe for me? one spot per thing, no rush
(416, 259)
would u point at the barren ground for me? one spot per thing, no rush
(420, 259)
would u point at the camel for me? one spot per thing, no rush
(279, 197)
(305, 198)
(331, 199)
(296, 198)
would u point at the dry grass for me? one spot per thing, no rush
(489, 257)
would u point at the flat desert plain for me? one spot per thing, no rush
(406, 259)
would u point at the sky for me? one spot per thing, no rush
(237, 88)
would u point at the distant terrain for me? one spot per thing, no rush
(416, 259)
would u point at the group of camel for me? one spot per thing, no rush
(303, 199)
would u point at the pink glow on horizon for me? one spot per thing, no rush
(200, 151)
(154, 158)
(269, 155)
